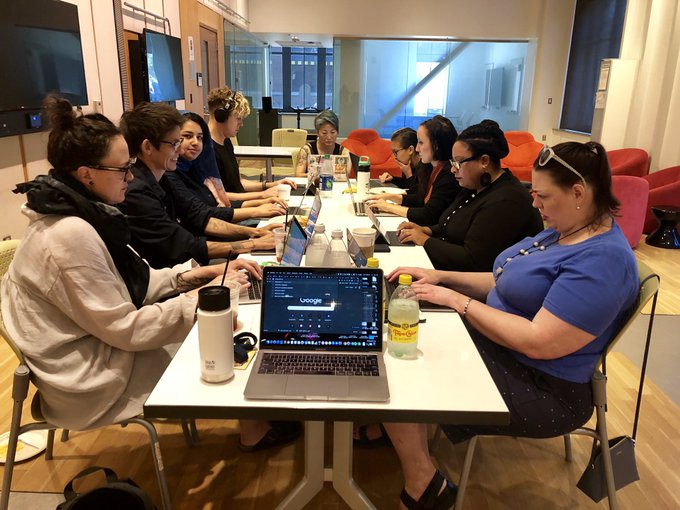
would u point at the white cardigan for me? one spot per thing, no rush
(94, 356)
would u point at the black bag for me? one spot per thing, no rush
(593, 481)
(116, 494)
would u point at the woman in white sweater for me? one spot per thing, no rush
(97, 325)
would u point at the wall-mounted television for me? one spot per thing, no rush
(162, 66)
(42, 52)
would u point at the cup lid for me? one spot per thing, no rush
(214, 298)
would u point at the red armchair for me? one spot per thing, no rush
(629, 162)
(367, 142)
(632, 192)
(664, 189)
(523, 152)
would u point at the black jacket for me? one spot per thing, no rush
(444, 190)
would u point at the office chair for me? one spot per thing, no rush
(649, 290)
(20, 385)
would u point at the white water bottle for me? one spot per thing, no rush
(337, 255)
(215, 334)
(363, 177)
(317, 248)
(326, 177)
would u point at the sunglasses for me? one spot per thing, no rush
(120, 169)
(547, 153)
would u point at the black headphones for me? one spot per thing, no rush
(243, 344)
(221, 114)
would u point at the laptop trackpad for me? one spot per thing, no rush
(314, 387)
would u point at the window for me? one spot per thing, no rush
(598, 25)
(301, 78)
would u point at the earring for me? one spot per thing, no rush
(485, 179)
(91, 183)
(578, 207)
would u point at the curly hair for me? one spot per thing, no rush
(76, 140)
(233, 101)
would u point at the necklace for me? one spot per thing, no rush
(467, 201)
(537, 246)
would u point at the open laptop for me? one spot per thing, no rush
(296, 241)
(385, 236)
(320, 336)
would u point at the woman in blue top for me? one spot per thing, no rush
(541, 318)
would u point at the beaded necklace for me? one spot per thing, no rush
(467, 201)
(537, 246)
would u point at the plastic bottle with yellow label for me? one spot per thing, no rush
(402, 320)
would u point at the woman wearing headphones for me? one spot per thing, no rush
(227, 110)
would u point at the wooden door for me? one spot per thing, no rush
(211, 80)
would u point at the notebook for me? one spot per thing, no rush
(296, 241)
(320, 336)
(385, 237)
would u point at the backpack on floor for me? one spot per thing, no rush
(114, 495)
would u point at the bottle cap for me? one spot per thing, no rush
(336, 234)
(364, 161)
(405, 279)
(372, 262)
(320, 227)
(214, 298)
(326, 156)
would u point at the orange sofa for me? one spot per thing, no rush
(523, 152)
(367, 142)
(629, 162)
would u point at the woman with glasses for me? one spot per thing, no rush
(197, 186)
(97, 325)
(404, 142)
(165, 230)
(492, 211)
(436, 187)
(542, 317)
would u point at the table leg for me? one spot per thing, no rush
(312, 481)
(343, 482)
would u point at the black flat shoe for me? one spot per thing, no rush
(280, 433)
(434, 497)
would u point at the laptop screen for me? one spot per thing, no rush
(310, 308)
(313, 215)
(295, 244)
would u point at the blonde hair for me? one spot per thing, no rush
(224, 97)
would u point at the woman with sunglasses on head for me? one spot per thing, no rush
(436, 186)
(492, 211)
(542, 317)
(197, 186)
(97, 325)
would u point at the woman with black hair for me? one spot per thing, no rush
(96, 324)
(492, 211)
(404, 142)
(436, 186)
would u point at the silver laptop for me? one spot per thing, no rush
(320, 336)
(294, 248)
(385, 236)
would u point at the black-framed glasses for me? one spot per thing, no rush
(456, 164)
(547, 153)
(396, 153)
(120, 169)
(175, 144)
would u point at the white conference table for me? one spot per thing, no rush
(265, 153)
(447, 383)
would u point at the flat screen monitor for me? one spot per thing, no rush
(162, 56)
(40, 41)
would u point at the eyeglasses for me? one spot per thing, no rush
(120, 169)
(547, 153)
(396, 153)
(456, 164)
(175, 144)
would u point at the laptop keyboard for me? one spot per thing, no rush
(319, 364)
(359, 208)
(255, 289)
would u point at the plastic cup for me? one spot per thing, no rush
(279, 240)
(283, 191)
(365, 238)
(234, 291)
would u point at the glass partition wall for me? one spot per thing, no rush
(246, 63)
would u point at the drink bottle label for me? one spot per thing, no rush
(403, 333)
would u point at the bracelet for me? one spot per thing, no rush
(264, 185)
(465, 308)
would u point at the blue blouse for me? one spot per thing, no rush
(589, 285)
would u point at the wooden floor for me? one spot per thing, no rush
(507, 473)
